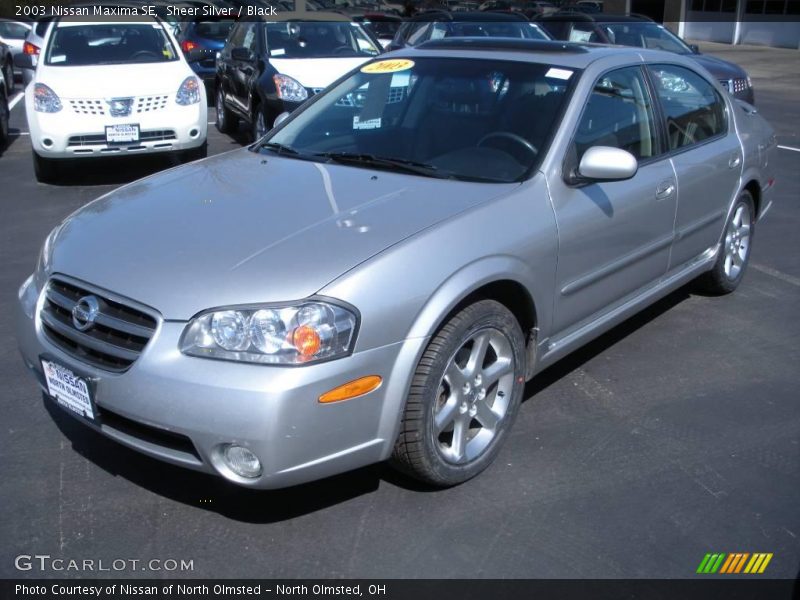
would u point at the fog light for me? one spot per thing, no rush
(194, 133)
(47, 142)
(241, 461)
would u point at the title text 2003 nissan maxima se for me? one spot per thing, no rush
(378, 277)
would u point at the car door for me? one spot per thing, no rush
(225, 63)
(614, 236)
(706, 154)
(244, 69)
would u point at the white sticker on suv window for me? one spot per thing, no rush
(277, 52)
(368, 124)
(559, 73)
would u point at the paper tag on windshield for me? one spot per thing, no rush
(368, 124)
(559, 73)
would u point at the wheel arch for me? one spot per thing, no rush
(754, 188)
(504, 278)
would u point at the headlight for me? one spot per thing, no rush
(277, 335)
(189, 92)
(45, 100)
(289, 89)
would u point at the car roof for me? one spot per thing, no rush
(467, 15)
(596, 17)
(575, 55)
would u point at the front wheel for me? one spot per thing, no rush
(259, 125)
(734, 252)
(464, 396)
(8, 74)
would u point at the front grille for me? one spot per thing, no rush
(734, 86)
(113, 342)
(99, 139)
(99, 106)
(88, 107)
(150, 103)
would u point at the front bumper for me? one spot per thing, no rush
(66, 134)
(273, 411)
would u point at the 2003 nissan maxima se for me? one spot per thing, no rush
(379, 275)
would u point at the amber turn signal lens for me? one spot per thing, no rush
(352, 389)
(306, 340)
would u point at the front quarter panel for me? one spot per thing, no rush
(405, 293)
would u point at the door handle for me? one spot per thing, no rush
(665, 189)
(735, 161)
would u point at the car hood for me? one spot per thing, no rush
(111, 81)
(720, 69)
(316, 72)
(244, 228)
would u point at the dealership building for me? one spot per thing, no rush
(758, 22)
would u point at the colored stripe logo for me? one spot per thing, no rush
(734, 562)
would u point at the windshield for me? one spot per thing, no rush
(477, 120)
(318, 40)
(104, 44)
(646, 35)
(505, 29)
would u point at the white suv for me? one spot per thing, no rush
(113, 89)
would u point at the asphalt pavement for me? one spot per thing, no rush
(674, 435)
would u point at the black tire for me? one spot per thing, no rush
(45, 169)
(195, 153)
(258, 121)
(420, 451)
(722, 278)
(227, 122)
(8, 74)
(3, 120)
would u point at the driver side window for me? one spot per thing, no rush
(619, 114)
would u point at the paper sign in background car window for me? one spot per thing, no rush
(377, 95)
(369, 124)
(388, 66)
(559, 74)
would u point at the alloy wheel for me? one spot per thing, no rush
(473, 396)
(737, 242)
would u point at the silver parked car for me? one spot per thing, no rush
(379, 276)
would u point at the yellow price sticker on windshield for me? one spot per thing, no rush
(388, 66)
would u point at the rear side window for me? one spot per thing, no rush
(694, 110)
(13, 31)
(619, 114)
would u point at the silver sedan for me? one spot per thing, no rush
(379, 275)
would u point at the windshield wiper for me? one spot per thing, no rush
(278, 148)
(382, 162)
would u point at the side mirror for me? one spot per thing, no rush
(280, 118)
(242, 54)
(604, 163)
(694, 48)
(23, 61)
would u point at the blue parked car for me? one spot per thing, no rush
(200, 42)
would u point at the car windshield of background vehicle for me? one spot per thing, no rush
(87, 44)
(318, 40)
(503, 29)
(475, 120)
(646, 35)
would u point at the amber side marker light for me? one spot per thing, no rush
(352, 389)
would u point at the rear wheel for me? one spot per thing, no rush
(45, 169)
(464, 396)
(734, 252)
(3, 120)
(226, 120)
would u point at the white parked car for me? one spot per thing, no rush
(112, 89)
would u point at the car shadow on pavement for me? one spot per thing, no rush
(112, 171)
(268, 506)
